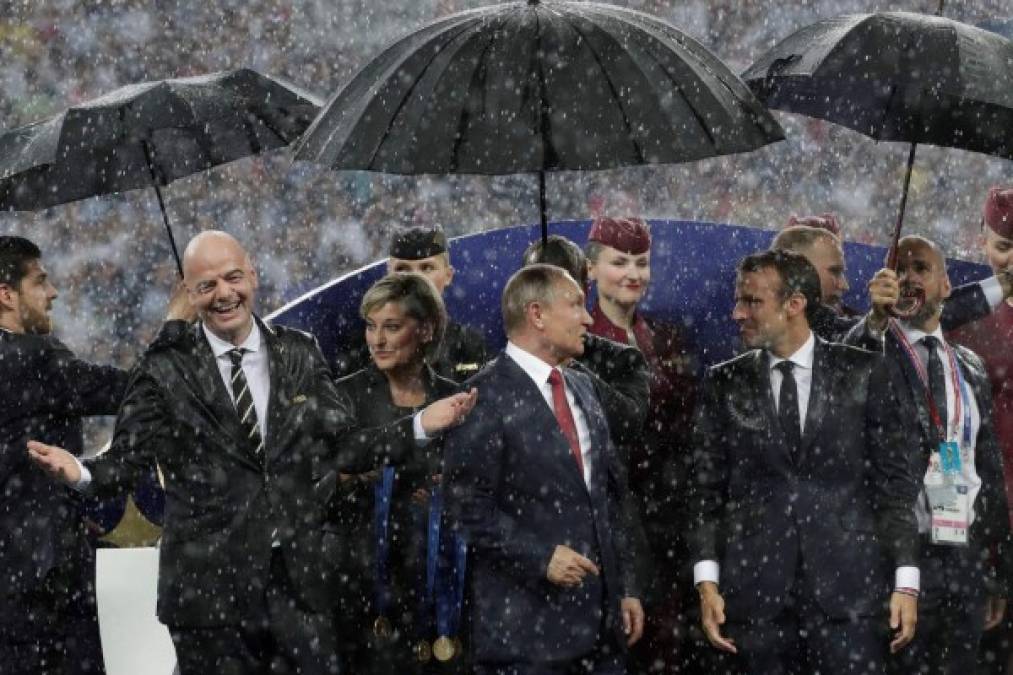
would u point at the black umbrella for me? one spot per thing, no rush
(897, 76)
(148, 135)
(535, 87)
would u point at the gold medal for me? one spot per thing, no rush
(423, 652)
(443, 648)
(381, 627)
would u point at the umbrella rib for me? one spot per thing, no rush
(612, 89)
(408, 94)
(462, 120)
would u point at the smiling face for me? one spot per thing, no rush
(395, 340)
(622, 278)
(221, 285)
(998, 250)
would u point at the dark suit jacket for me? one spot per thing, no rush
(44, 392)
(224, 507)
(966, 304)
(757, 511)
(380, 423)
(623, 383)
(991, 529)
(514, 489)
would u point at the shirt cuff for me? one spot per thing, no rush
(908, 577)
(992, 290)
(84, 482)
(418, 431)
(706, 570)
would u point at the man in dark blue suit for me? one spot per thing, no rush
(534, 483)
(801, 492)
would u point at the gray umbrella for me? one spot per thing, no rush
(535, 87)
(148, 135)
(897, 76)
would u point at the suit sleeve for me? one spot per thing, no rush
(363, 449)
(141, 428)
(709, 476)
(473, 468)
(74, 387)
(860, 336)
(621, 377)
(966, 304)
(896, 467)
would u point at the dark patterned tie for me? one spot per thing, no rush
(244, 403)
(787, 409)
(937, 381)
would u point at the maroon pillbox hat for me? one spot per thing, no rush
(999, 211)
(629, 235)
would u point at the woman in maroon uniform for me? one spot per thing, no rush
(619, 263)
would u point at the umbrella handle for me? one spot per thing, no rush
(161, 205)
(891, 257)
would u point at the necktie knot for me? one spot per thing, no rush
(931, 343)
(236, 355)
(786, 367)
(555, 378)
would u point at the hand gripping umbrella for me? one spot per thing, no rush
(535, 87)
(896, 76)
(148, 135)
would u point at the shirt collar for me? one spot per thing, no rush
(220, 347)
(536, 369)
(803, 357)
(915, 335)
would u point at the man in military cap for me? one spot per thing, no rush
(423, 250)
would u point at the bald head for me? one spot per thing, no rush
(907, 246)
(221, 284)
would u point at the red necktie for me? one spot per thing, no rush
(565, 416)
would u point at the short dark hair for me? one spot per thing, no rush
(15, 255)
(797, 275)
(561, 252)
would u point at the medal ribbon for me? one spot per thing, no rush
(427, 607)
(962, 398)
(383, 495)
(450, 584)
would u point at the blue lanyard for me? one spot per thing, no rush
(383, 496)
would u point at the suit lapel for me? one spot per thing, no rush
(907, 380)
(598, 433)
(823, 379)
(540, 416)
(276, 372)
(211, 390)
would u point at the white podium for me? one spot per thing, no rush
(133, 641)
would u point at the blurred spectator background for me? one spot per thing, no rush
(110, 258)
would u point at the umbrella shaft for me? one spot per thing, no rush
(892, 257)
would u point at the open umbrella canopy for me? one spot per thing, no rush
(149, 134)
(896, 76)
(538, 86)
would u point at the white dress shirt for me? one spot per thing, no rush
(539, 371)
(256, 368)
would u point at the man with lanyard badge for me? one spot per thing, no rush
(944, 398)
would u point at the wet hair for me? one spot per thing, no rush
(799, 237)
(918, 240)
(796, 273)
(533, 283)
(15, 255)
(416, 296)
(561, 252)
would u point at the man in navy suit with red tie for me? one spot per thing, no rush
(533, 484)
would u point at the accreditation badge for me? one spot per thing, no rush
(948, 498)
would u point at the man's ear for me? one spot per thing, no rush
(534, 313)
(8, 298)
(797, 304)
(450, 274)
(947, 286)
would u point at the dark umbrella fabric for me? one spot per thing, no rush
(896, 76)
(534, 87)
(148, 135)
(187, 125)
